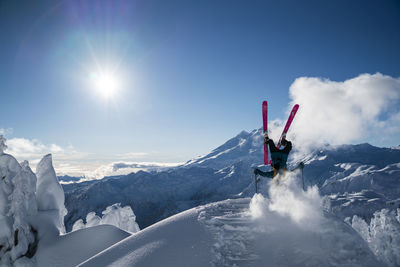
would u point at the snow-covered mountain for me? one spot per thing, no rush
(359, 179)
(245, 147)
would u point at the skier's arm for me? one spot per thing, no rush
(272, 148)
(287, 148)
(264, 174)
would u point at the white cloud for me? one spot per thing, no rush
(6, 132)
(122, 168)
(26, 149)
(363, 108)
(66, 160)
(69, 161)
(275, 128)
(132, 155)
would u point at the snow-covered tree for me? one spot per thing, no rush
(122, 217)
(18, 238)
(50, 195)
(92, 219)
(2, 144)
(382, 235)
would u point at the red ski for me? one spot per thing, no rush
(288, 123)
(265, 129)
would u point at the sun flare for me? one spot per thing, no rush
(106, 84)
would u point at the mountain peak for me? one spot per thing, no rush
(243, 133)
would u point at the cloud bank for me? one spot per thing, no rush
(69, 161)
(123, 168)
(361, 109)
(33, 150)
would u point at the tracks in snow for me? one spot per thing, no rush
(230, 223)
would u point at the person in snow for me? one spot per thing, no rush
(278, 158)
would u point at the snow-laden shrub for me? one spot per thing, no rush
(382, 235)
(92, 219)
(122, 217)
(18, 238)
(50, 194)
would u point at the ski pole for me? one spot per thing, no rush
(255, 182)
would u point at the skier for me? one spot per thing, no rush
(278, 158)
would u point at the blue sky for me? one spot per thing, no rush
(192, 73)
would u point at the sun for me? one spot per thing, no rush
(106, 84)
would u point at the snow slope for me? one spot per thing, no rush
(287, 229)
(180, 240)
(245, 147)
(73, 248)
